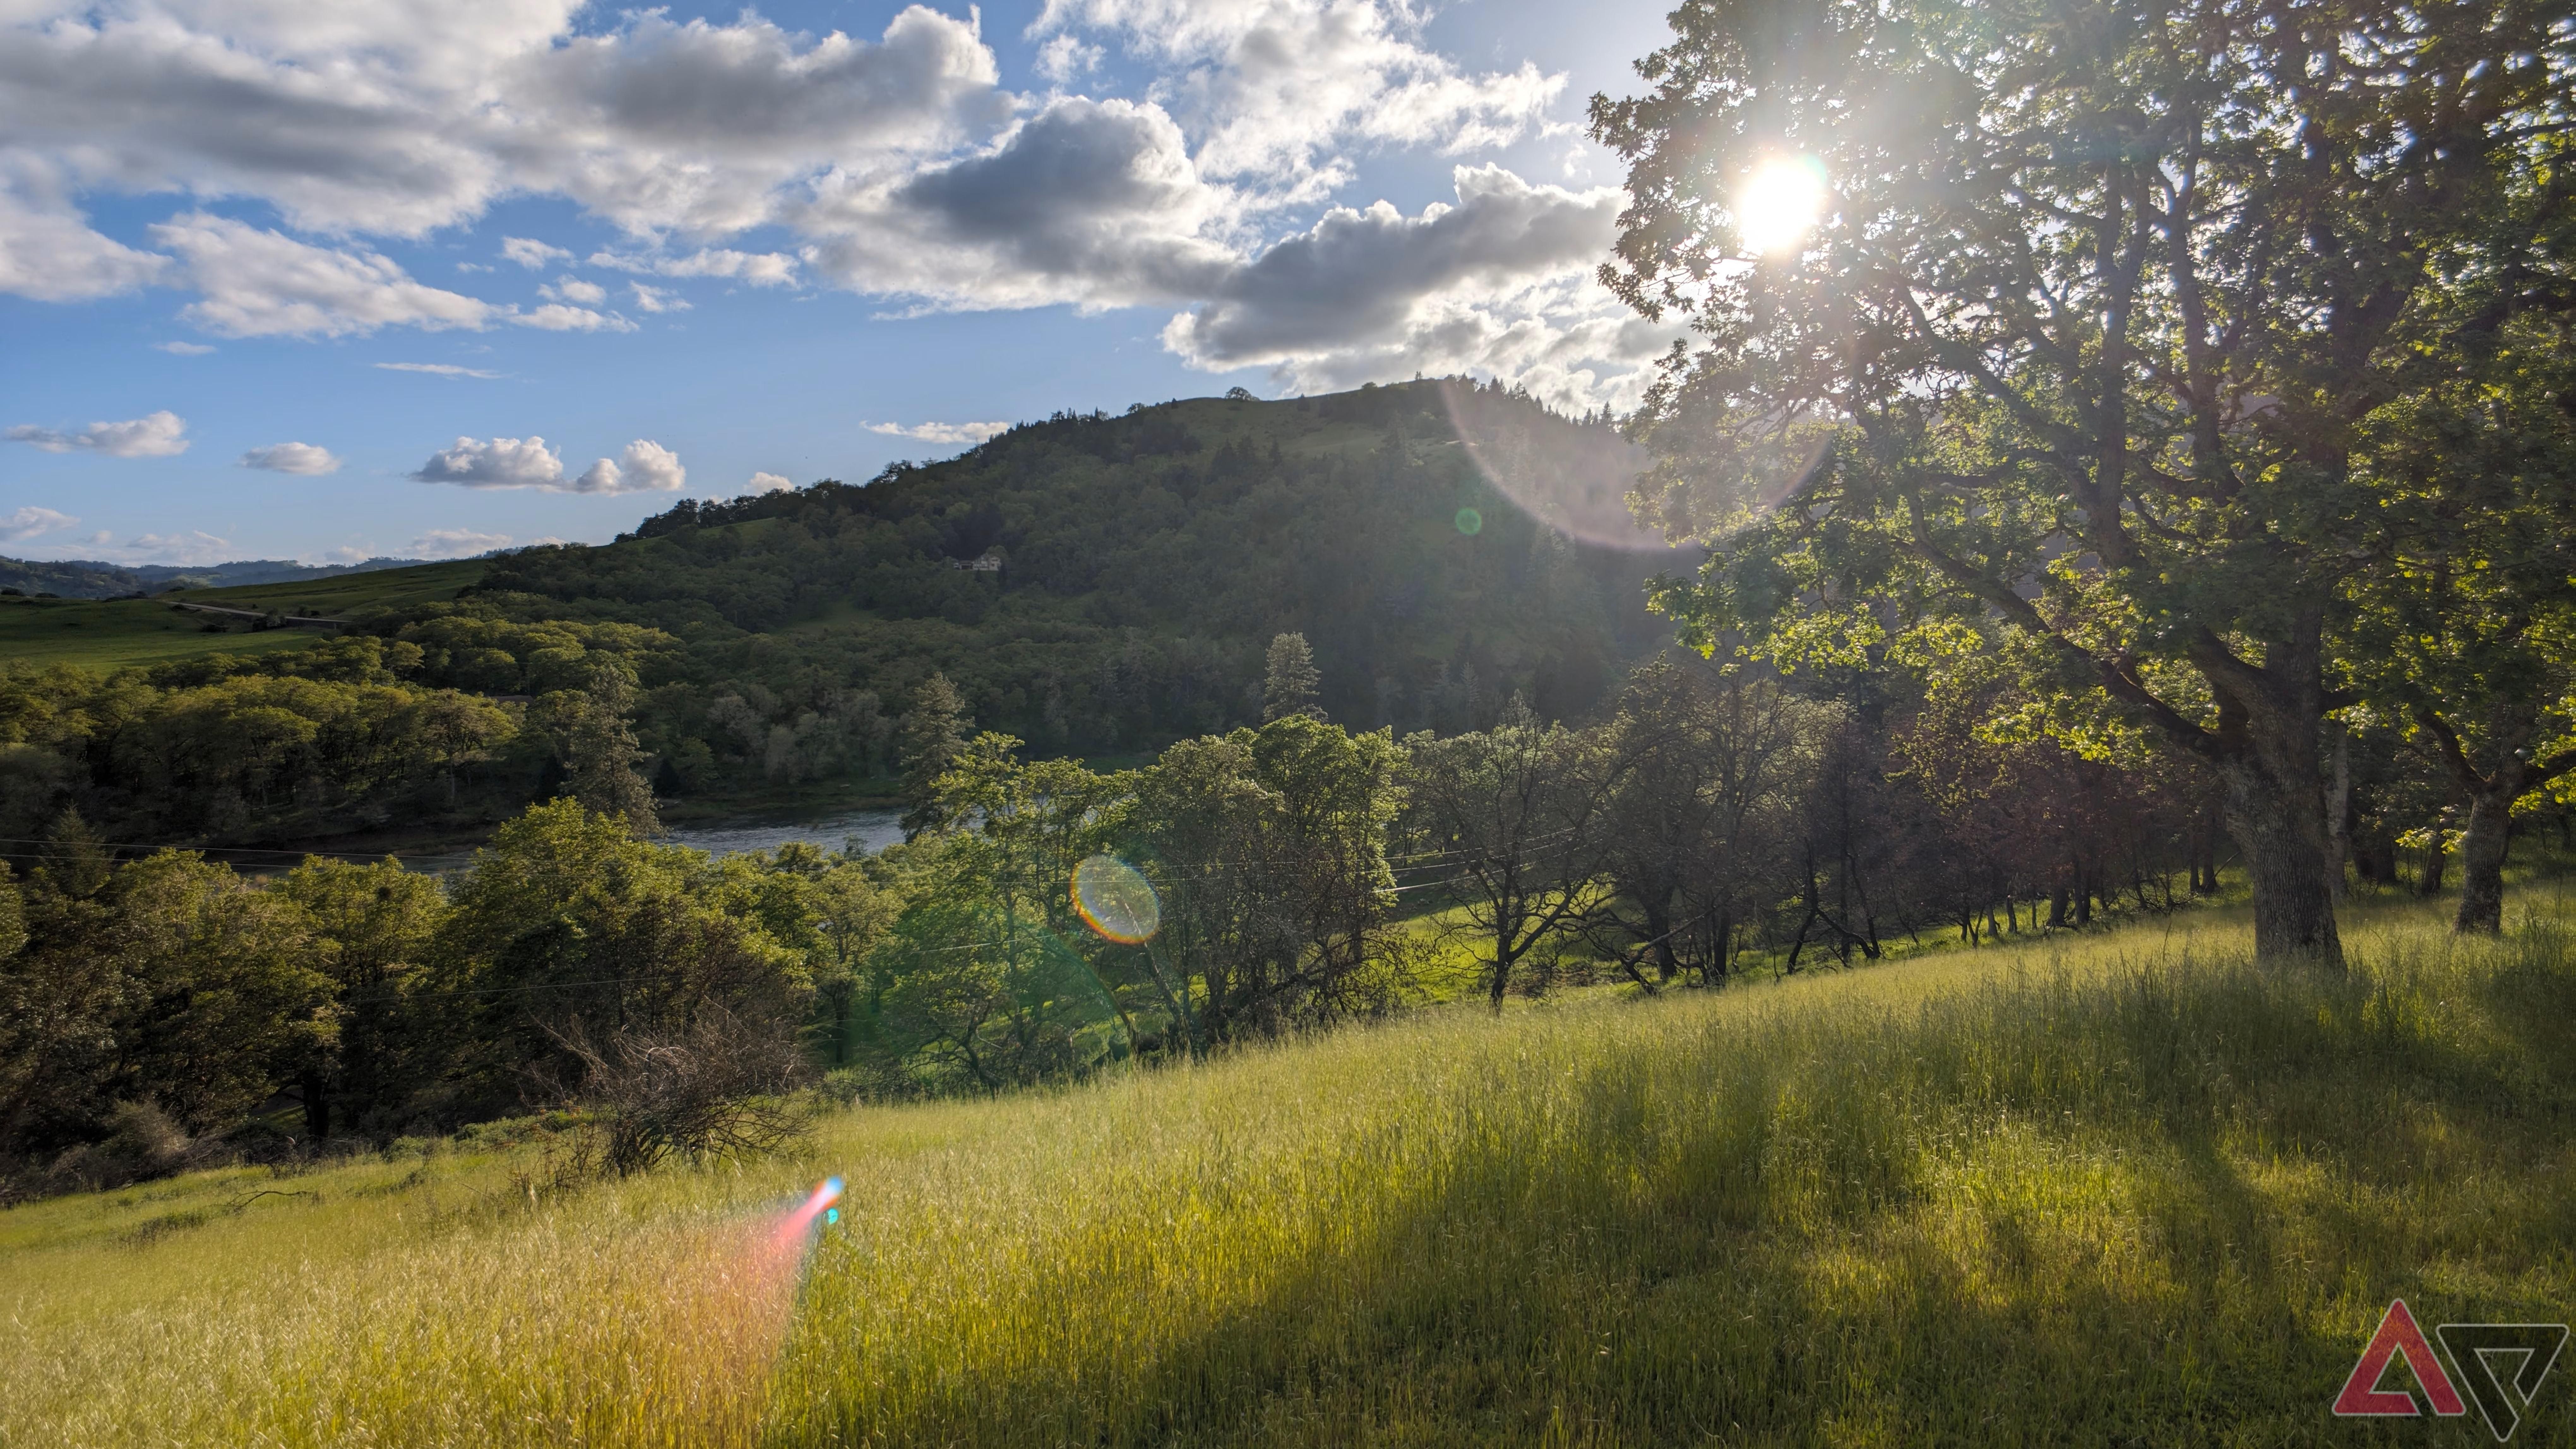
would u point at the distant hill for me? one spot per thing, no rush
(1102, 584)
(92, 579)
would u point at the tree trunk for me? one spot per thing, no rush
(2482, 852)
(2279, 828)
(2339, 816)
(2270, 719)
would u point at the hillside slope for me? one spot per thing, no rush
(2106, 1189)
(1104, 584)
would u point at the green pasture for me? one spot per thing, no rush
(2121, 1187)
(117, 633)
(341, 596)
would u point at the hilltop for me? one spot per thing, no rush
(1100, 584)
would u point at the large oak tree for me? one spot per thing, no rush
(2099, 293)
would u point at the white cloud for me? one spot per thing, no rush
(1498, 285)
(1357, 277)
(26, 523)
(760, 269)
(500, 463)
(1092, 202)
(556, 317)
(436, 369)
(266, 284)
(529, 252)
(1266, 87)
(49, 253)
(182, 349)
(193, 546)
(574, 289)
(454, 543)
(154, 435)
(1065, 59)
(647, 467)
(767, 483)
(941, 432)
(657, 299)
(303, 459)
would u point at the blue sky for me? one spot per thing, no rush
(312, 278)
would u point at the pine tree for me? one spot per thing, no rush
(1290, 684)
(933, 735)
(604, 753)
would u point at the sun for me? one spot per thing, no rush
(1779, 204)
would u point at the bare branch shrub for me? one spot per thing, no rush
(709, 1089)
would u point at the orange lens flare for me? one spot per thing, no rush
(1114, 899)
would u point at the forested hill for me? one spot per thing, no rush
(1098, 584)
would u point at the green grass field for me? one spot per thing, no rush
(118, 633)
(2121, 1188)
(343, 595)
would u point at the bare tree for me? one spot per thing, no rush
(708, 1089)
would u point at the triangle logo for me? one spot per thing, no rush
(2502, 1366)
(2363, 1398)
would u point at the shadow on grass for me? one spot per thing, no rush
(2162, 1204)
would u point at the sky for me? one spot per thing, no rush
(333, 279)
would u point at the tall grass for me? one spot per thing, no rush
(2124, 1188)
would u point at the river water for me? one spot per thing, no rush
(868, 830)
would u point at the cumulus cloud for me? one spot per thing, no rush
(303, 459)
(556, 317)
(500, 463)
(190, 546)
(182, 349)
(49, 253)
(895, 166)
(760, 269)
(1357, 277)
(454, 543)
(657, 299)
(26, 523)
(436, 369)
(1093, 202)
(529, 253)
(1498, 285)
(154, 435)
(644, 467)
(941, 432)
(1266, 86)
(766, 483)
(259, 283)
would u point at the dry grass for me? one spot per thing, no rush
(2123, 1188)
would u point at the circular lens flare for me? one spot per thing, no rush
(1470, 522)
(1114, 899)
(1779, 204)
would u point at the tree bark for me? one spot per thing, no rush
(2269, 719)
(2482, 852)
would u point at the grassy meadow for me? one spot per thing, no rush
(2118, 1188)
(110, 634)
(341, 595)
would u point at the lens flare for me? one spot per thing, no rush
(1567, 474)
(1114, 899)
(1779, 204)
(792, 1227)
